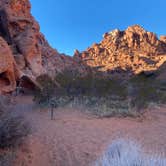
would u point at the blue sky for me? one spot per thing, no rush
(71, 24)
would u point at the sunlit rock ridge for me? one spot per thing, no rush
(134, 50)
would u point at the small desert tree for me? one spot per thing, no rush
(46, 91)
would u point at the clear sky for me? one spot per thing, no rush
(71, 24)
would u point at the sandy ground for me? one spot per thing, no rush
(75, 138)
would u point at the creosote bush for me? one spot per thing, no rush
(12, 130)
(104, 96)
(7, 158)
(90, 85)
(147, 90)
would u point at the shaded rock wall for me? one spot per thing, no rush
(31, 53)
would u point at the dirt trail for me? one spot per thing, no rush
(74, 138)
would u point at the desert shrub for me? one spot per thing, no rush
(90, 85)
(73, 84)
(4, 102)
(99, 95)
(7, 158)
(128, 153)
(161, 91)
(146, 90)
(61, 101)
(12, 130)
(104, 106)
(110, 95)
(1, 110)
(46, 91)
(108, 87)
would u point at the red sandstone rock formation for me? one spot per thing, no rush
(24, 52)
(134, 50)
(26, 46)
(163, 39)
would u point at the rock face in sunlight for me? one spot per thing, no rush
(134, 50)
(163, 39)
(25, 45)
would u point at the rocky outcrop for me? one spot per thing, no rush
(19, 29)
(163, 39)
(25, 45)
(134, 50)
(25, 53)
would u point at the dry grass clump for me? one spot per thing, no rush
(105, 106)
(13, 129)
(128, 153)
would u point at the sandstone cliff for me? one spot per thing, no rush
(23, 48)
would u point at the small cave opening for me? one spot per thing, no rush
(26, 84)
(4, 31)
(4, 81)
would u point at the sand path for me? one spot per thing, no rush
(75, 138)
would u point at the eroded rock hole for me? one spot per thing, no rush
(4, 81)
(4, 32)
